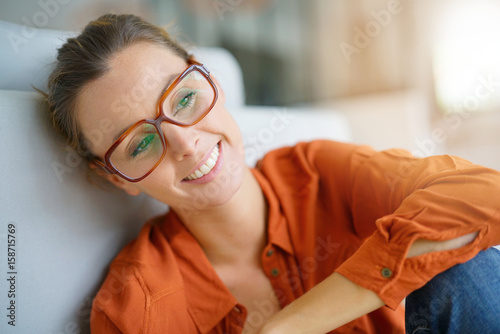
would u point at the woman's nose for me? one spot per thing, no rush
(181, 142)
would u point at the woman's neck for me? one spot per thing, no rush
(234, 232)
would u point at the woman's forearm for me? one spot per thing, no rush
(330, 304)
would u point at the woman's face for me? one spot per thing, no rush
(129, 92)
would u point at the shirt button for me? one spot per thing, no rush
(275, 272)
(270, 252)
(386, 272)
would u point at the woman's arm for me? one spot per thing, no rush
(336, 300)
(330, 304)
(407, 211)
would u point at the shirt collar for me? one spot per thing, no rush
(277, 229)
(200, 280)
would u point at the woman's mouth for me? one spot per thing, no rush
(207, 168)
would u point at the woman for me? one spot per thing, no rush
(332, 231)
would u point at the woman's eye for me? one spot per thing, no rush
(143, 145)
(186, 101)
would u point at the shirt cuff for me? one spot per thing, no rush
(380, 265)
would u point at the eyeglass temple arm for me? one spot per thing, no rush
(103, 166)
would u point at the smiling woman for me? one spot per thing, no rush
(316, 238)
(177, 134)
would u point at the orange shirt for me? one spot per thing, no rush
(332, 207)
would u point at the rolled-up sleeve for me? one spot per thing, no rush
(396, 198)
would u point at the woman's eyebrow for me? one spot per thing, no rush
(170, 79)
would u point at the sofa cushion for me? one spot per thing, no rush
(67, 230)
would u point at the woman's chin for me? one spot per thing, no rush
(218, 193)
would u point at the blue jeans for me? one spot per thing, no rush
(463, 299)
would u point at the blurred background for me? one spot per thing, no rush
(422, 75)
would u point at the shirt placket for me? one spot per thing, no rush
(280, 276)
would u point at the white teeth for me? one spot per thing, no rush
(204, 169)
(207, 167)
(210, 163)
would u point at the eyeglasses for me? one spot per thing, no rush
(140, 149)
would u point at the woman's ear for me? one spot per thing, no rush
(117, 181)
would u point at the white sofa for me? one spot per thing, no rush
(67, 230)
